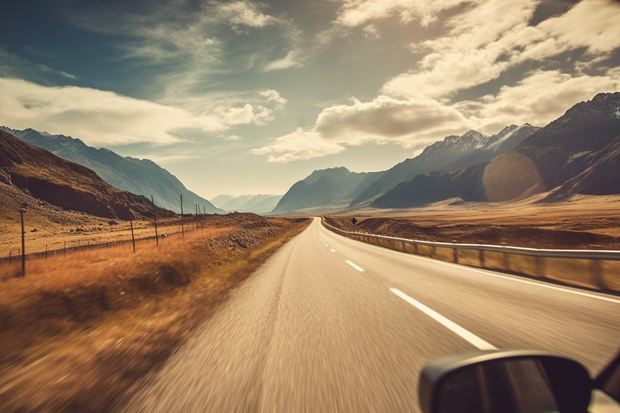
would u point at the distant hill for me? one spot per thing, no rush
(576, 153)
(325, 187)
(138, 176)
(235, 203)
(65, 184)
(450, 154)
(259, 204)
(220, 200)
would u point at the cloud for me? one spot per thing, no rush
(487, 40)
(44, 68)
(407, 123)
(291, 60)
(539, 98)
(242, 12)
(273, 96)
(386, 119)
(298, 145)
(359, 12)
(95, 116)
(371, 32)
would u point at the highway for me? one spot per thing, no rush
(329, 324)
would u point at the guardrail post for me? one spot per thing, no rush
(455, 255)
(540, 266)
(481, 258)
(597, 274)
(506, 261)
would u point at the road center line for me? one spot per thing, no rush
(355, 266)
(470, 337)
(333, 250)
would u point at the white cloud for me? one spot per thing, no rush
(95, 116)
(44, 68)
(477, 49)
(492, 37)
(297, 146)
(244, 13)
(273, 96)
(539, 98)
(407, 123)
(371, 32)
(291, 60)
(383, 119)
(359, 12)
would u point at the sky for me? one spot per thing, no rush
(247, 97)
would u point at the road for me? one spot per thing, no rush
(329, 324)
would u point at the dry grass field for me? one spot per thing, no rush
(81, 330)
(582, 222)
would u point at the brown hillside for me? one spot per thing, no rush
(63, 183)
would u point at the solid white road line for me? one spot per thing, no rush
(333, 250)
(472, 338)
(355, 266)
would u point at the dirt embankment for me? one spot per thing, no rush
(80, 331)
(557, 229)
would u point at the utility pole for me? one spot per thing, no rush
(155, 220)
(182, 231)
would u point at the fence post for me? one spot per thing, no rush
(182, 230)
(21, 211)
(133, 240)
(155, 220)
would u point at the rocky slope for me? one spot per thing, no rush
(138, 176)
(65, 184)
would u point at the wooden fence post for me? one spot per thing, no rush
(21, 211)
(133, 239)
(182, 231)
(155, 221)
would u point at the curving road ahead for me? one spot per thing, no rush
(328, 324)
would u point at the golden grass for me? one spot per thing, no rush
(78, 332)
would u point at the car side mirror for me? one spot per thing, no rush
(505, 381)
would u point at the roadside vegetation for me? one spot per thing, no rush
(81, 331)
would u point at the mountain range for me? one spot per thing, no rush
(68, 185)
(576, 153)
(138, 176)
(339, 186)
(258, 204)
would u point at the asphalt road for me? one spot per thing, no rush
(334, 325)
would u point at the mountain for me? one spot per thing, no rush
(335, 186)
(258, 204)
(220, 200)
(267, 205)
(577, 153)
(235, 203)
(250, 203)
(453, 153)
(65, 184)
(138, 176)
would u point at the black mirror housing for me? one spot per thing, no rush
(506, 381)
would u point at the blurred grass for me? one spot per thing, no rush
(81, 331)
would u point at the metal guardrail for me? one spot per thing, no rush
(534, 252)
(586, 268)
